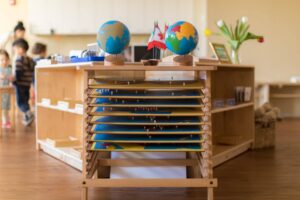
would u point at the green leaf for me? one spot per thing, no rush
(244, 34)
(242, 28)
(224, 30)
(237, 36)
(234, 44)
(252, 36)
(232, 33)
(227, 30)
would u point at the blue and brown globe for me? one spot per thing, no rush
(113, 37)
(181, 38)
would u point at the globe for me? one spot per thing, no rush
(113, 37)
(181, 38)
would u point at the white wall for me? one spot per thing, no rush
(278, 20)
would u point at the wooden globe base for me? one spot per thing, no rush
(185, 60)
(112, 60)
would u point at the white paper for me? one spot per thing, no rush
(148, 172)
(247, 94)
(79, 108)
(63, 105)
(46, 101)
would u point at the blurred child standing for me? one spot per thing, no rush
(24, 73)
(6, 78)
(39, 52)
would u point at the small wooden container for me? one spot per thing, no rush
(150, 62)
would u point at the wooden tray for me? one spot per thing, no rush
(99, 146)
(111, 138)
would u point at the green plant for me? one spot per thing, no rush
(239, 34)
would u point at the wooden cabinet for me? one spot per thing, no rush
(59, 97)
(64, 83)
(283, 95)
(232, 126)
(124, 111)
(85, 16)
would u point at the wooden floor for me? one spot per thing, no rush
(274, 174)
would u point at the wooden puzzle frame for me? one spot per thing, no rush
(96, 164)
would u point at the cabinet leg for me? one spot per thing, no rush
(210, 194)
(38, 146)
(84, 193)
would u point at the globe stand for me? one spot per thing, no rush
(184, 60)
(114, 59)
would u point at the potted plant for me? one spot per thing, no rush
(236, 36)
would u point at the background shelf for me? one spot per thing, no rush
(222, 153)
(55, 107)
(285, 96)
(228, 108)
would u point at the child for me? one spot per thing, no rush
(5, 79)
(39, 51)
(24, 73)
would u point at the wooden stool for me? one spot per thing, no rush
(9, 90)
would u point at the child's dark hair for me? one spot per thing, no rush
(39, 48)
(21, 43)
(19, 26)
(4, 52)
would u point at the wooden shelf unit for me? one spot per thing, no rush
(233, 125)
(234, 120)
(59, 123)
(283, 95)
(198, 161)
(229, 108)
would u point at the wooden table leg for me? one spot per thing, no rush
(210, 193)
(13, 111)
(1, 113)
(84, 193)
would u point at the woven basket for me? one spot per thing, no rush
(264, 135)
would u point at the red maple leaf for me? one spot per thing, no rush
(161, 36)
(176, 29)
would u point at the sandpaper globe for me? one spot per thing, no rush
(113, 37)
(181, 38)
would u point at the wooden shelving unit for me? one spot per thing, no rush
(169, 136)
(283, 95)
(58, 117)
(232, 125)
(229, 108)
(61, 124)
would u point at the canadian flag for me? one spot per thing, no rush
(157, 38)
(12, 2)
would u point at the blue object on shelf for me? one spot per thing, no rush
(87, 59)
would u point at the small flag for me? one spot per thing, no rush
(157, 38)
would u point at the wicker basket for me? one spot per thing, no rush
(264, 135)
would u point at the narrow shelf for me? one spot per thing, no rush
(222, 153)
(146, 97)
(65, 154)
(132, 147)
(228, 108)
(143, 139)
(147, 105)
(181, 112)
(95, 84)
(55, 107)
(164, 66)
(186, 121)
(284, 96)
